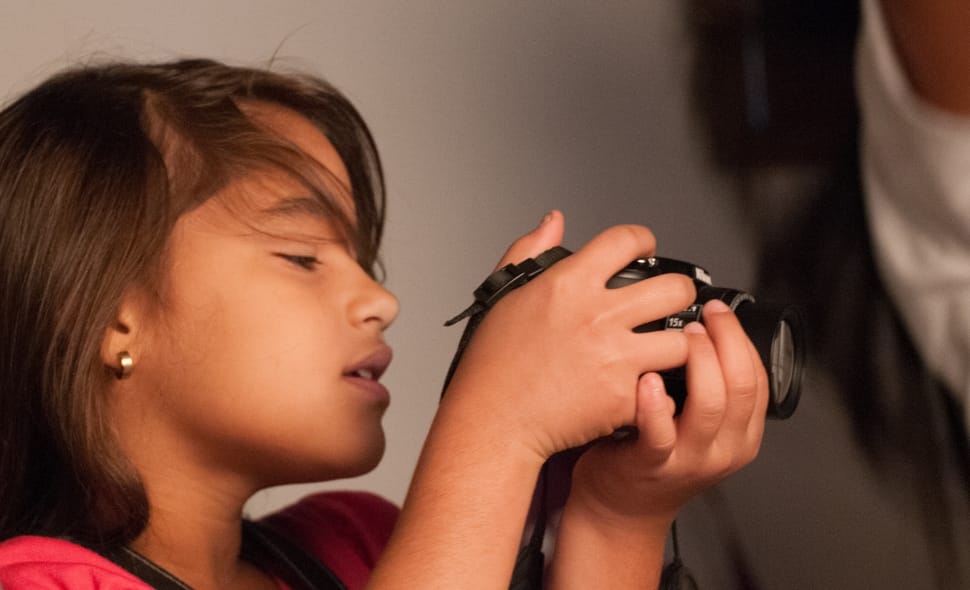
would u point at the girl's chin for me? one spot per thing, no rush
(361, 462)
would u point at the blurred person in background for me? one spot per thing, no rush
(847, 130)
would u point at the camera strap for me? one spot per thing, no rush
(262, 546)
(510, 276)
(493, 288)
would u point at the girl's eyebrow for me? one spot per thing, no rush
(297, 211)
(296, 207)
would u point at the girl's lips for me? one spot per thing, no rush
(365, 373)
(373, 365)
(373, 390)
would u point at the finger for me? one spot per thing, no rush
(739, 370)
(747, 442)
(613, 249)
(756, 424)
(547, 235)
(651, 299)
(655, 418)
(656, 351)
(704, 407)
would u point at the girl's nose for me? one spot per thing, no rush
(373, 303)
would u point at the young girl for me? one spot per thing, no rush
(189, 315)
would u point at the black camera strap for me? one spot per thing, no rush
(510, 276)
(275, 553)
(262, 546)
(493, 288)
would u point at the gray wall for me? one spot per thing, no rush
(488, 115)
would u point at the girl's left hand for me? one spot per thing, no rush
(674, 458)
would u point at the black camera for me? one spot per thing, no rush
(775, 330)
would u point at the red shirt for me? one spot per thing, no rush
(347, 531)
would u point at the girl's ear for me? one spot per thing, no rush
(119, 348)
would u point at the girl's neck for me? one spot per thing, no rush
(194, 532)
(200, 550)
(194, 529)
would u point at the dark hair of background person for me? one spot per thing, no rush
(773, 84)
(96, 166)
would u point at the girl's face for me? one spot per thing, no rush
(263, 362)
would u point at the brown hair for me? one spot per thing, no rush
(96, 165)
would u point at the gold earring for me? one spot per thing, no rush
(125, 365)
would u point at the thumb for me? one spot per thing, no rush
(548, 234)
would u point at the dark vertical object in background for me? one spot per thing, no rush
(773, 80)
(773, 89)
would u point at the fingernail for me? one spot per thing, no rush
(717, 306)
(654, 383)
(545, 220)
(694, 328)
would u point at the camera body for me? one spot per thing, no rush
(775, 330)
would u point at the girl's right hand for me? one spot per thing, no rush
(555, 364)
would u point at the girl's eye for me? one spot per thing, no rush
(304, 262)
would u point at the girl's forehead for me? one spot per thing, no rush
(270, 193)
(301, 132)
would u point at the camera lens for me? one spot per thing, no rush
(776, 332)
(782, 362)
